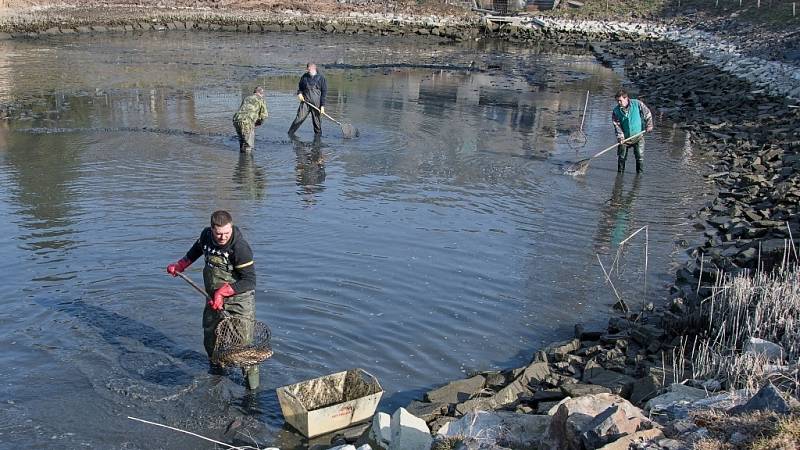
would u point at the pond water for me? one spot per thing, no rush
(444, 240)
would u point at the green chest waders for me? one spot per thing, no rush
(241, 305)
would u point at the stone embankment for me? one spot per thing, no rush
(775, 77)
(52, 21)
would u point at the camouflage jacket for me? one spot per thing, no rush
(252, 110)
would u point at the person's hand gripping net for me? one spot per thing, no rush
(178, 267)
(218, 301)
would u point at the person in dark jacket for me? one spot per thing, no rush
(312, 90)
(229, 276)
(630, 117)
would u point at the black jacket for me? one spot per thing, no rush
(236, 255)
(308, 83)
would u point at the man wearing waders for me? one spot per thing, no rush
(229, 276)
(312, 89)
(628, 118)
(252, 113)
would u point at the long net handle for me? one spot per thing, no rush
(200, 290)
(194, 285)
(585, 105)
(618, 143)
(324, 114)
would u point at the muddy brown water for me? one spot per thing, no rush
(443, 241)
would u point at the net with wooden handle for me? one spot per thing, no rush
(241, 341)
(580, 167)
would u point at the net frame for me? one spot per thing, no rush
(241, 342)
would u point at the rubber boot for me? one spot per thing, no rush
(215, 369)
(620, 165)
(639, 165)
(251, 376)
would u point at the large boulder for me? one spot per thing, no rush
(500, 428)
(618, 383)
(426, 411)
(596, 419)
(645, 388)
(560, 350)
(676, 401)
(767, 349)
(608, 426)
(380, 435)
(535, 373)
(457, 391)
(409, 432)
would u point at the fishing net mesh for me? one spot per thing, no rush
(242, 342)
(349, 131)
(577, 139)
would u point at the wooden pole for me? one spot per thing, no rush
(794, 9)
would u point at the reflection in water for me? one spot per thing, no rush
(310, 168)
(249, 177)
(45, 168)
(616, 221)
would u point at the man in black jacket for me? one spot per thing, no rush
(312, 90)
(229, 276)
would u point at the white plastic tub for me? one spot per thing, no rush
(330, 402)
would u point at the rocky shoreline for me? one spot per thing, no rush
(742, 112)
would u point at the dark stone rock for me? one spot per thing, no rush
(645, 388)
(607, 427)
(559, 350)
(456, 391)
(646, 334)
(548, 395)
(768, 398)
(495, 379)
(618, 383)
(545, 407)
(426, 411)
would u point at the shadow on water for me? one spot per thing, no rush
(119, 331)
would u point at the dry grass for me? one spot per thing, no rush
(765, 306)
(448, 443)
(755, 431)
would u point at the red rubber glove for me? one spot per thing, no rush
(178, 267)
(219, 296)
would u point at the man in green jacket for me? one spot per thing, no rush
(252, 113)
(630, 117)
(229, 276)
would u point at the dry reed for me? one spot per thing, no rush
(764, 305)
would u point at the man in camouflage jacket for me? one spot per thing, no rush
(252, 113)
